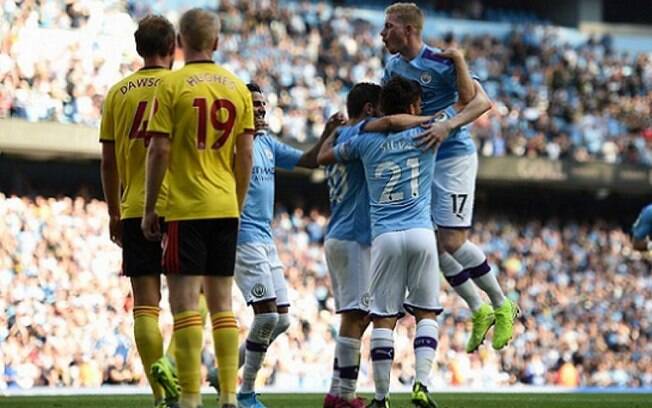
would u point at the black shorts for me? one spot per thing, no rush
(140, 257)
(201, 247)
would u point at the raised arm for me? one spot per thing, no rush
(464, 82)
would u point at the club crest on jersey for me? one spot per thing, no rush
(425, 78)
(365, 300)
(259, 290)
(269, 154)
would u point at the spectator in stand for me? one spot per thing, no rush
(552, 100)
(65, 313)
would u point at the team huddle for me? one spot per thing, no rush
(188, 170)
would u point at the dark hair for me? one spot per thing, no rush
(253, 87)
(398, 94)
(360, 95)
(154, 36)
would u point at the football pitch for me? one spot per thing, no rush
(398, 401)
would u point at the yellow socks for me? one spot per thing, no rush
(188, 337)
(149, 342)
(203, 312)
(225, 338)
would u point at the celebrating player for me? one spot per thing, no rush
(456, 169)
(403, 250)
(204, 116)
(258, 270)
(347, 250)
(124, 147)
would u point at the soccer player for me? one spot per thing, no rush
(258, 270)
(202, 136)
(462, 262)
(642, 230)
(347, 250)
(124, 147)
(403, 250)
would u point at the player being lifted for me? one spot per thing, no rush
(258, 270)
(347, 250)
(462, 262)
(403, 250)
(202, 136)
(124, 148)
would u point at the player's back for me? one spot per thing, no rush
(202, 108)
(399, 177)
(124, 121)
(348, 195)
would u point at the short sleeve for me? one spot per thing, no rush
(161, 119)
(107, 132)
(286, 156)
(642, 228)
(347, 151)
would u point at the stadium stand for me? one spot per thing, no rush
(552, 99)
(585, 295)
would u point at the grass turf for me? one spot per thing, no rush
(398, 401)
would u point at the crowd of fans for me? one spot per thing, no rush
(551, 99)
(586, 301)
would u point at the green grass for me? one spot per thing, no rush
(398, 401)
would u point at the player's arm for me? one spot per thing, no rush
(243, 164)
(309, 159)
(395, 123)
(158, 160)
(109, 172)
(159, 131)
(342, 153)
(465, 88)
(439, 131)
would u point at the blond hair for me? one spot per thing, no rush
(407, 13)
(199, 29)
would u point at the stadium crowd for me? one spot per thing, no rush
(551, 99)
(65, 313)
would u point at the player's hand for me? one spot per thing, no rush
(151, 227)
(335, 121)
(454, 54)
(115, 230)
(434, 135)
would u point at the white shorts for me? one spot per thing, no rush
(453, 191)
(401, 262)
(348, 266)
(259, 274)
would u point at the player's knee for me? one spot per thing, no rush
(264, 326)
(266, 306)
(283, 324)
(451, 240)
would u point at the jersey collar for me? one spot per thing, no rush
(201, 62)
(151, 67)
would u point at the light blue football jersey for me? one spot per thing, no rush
(348, 195)
(438, 80)
(642, 228)
(256, 219)
(399, 178)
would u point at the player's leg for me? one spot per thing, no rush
(185, 262)
(184, 293)
(454, 193)
(348, 264)
(387, 291)
(222, 236)
(142, 264)
(423, 302)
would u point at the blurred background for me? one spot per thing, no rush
(565, 167)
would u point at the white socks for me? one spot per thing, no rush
(258, 339)
(458, 278)
(425, 348)
(473, 260)
(347, 355)
(382, 356)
